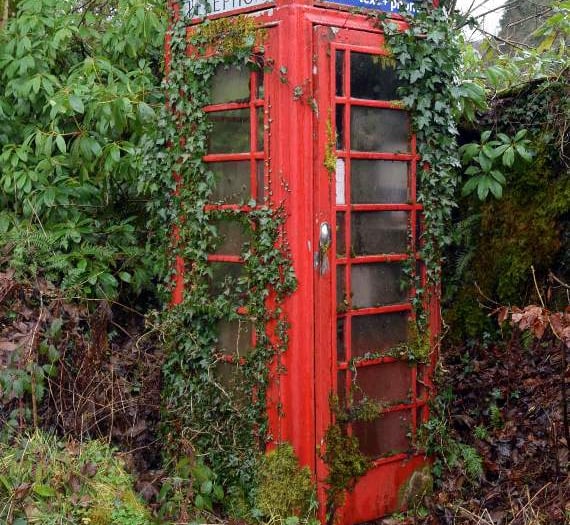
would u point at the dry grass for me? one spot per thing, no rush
(523, 512)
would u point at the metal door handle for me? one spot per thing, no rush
(325, 237)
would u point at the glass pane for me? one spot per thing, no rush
(340, 235)
(260, 182)
(340, 127)
(231, 237)
(386, 436)
(377, 285)
(340, 182)
(422, 417)
(222, 272)
(341, 298)
(339, 72)
(340, 348)
(230, 84)
(377, 333)
(387, 382)
(341, 388)
(372, 77)
(232, 185)
(234, 337)
(383, 130)
(260, 84)
(230, 131)
(379, 232)
(260, 129)
(378, 182)
(229, 376)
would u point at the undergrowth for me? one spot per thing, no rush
(45, 481)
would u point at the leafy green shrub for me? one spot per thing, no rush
(78, 85)
(45, 481)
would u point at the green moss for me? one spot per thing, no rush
(417, 348)
(364, 410)
(330, 157)
(285, 488)
(345, 462)
(226, 36)
(342, 454)
(523, 230)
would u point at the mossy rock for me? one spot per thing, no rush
(418, 486)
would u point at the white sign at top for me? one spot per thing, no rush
(199, 8)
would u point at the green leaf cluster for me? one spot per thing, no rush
(485, 160)
(79, 90)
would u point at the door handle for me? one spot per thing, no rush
(322, 257)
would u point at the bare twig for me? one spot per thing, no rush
(561, 283)
(512, 43)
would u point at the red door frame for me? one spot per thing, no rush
(377, 493)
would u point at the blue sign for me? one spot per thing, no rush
(390, 6)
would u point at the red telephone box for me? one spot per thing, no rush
(351, 226)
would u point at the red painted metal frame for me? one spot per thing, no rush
(301, 39)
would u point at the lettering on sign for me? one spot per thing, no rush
(200, 8)
(390, 6)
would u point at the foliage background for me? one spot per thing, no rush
(80, 83)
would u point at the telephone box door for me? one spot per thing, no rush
(366, 223)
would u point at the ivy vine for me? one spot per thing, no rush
(428, 56)
(215, 404)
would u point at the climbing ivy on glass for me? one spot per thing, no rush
(223, 422)
(427, 56)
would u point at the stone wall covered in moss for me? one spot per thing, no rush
(499, 241)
